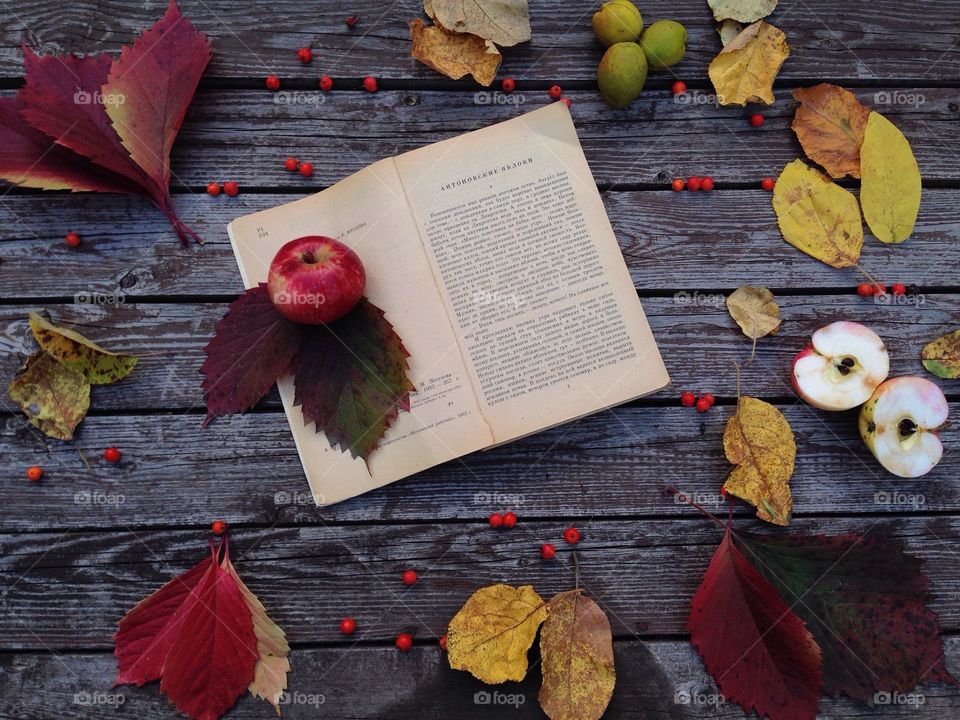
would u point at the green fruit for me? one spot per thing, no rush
(622, 73)
(617, 21)
(664, 43)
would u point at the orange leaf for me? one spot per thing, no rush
(830, 123)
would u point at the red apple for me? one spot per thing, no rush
(315, 280)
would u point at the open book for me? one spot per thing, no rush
(492, 256)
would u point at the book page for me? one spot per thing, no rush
(532, 275)
(368, 212)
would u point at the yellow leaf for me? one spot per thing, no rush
(942, 356)
(97, 365)
(491, 634)
(576, 648)
(54, 397)
(745, 69)
(759, 441)
(829, 124)
(745, 11)
(755, 311)
(454, 54)
(818, 216)
(890, 181)
(505, 22)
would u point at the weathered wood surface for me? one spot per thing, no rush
(670, 241)
(68, 589)
(653, 680)
(842, 39)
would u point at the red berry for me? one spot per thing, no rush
(693, 183)
(899, 289)
(864, 289)
(304, 55)
(111, 455)
(509, 519)
(709, 398)
(572, 535)
(231, 189)
(34, 473)
(370, 83)
(756, 119)
(679, 87)
(555, 92)
(352, 21)
(213, 189)
(273, 82)
(409, 577)
(348, 625)
(404, 642)
(306, 169)
(508, 84)
(767, 184)
(687, 399)
(678, 184)
(703, 404)
(72, 239)
(879, 289)
(566, 101)
(443, 642)
(218, 527)
(706, 184)
(326, 83)
(291, 163)
(548, 551)
(496, 520)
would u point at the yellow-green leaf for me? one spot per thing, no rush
(755, 311)
(818, 216)
(97, 365)
(745, 11)
(490, 636)
(890, 181)
(942, 356)
(759, 441)
(728, 30)
(745, 69)
(54, 397)
(576, 648)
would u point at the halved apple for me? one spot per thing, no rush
(841, 367)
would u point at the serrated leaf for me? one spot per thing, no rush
(98, 365)
(490, 635)
(54, 398)
(745, 69)
(576, 649)
(864, 600)
(830, 123)
(504, 22)
(942, 356)
(890, 181)
(759, 652)
(818, 216)
(351, 378)
(754, 310)
(759, 441)
(252, 346)
(454, 54)
(745, 11)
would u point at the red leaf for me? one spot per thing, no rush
(212, 659)
(351, 378)
(253, 345)
(758, 651)
(146, 632)
(31, 159)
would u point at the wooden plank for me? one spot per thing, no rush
(67, 590)
(653, 680)
(834, 39)
(670, 241)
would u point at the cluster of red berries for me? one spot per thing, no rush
(507, 520)
(702, 403)
(111, 455)
(404, 640)
(572, 537)
(879, 289)
(326, 82)
(293, 165)
(230, 189)
(693, 184)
